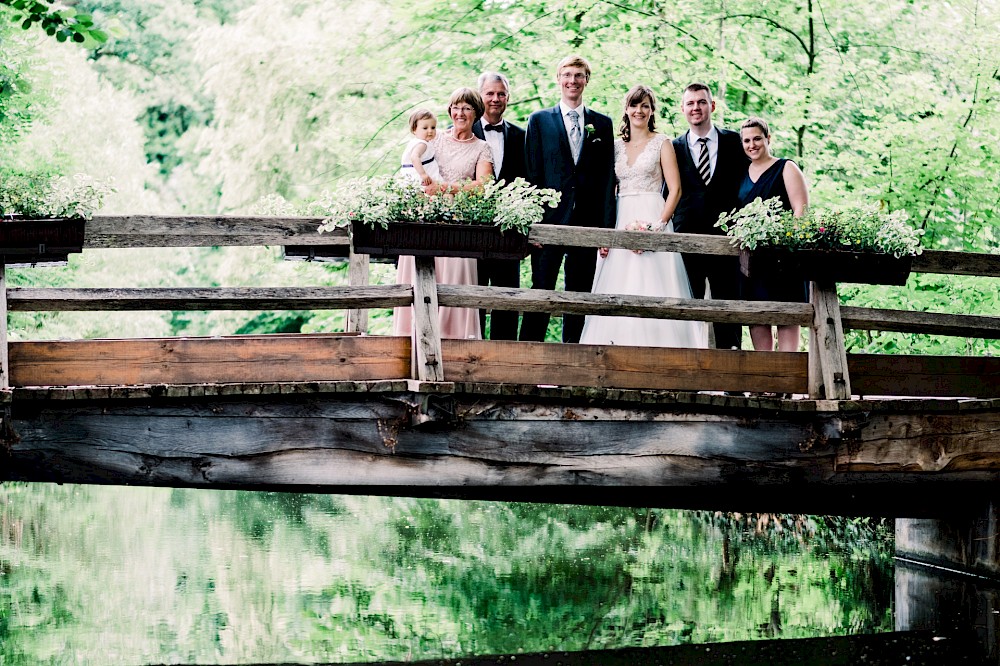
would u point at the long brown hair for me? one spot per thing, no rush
(635, 96)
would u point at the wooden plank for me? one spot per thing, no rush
(104, 231)
(829, 350)
(905, 375)
(426, 323)
(622, 367)
(931, 323)
(198, 298)
(957, 263)
(208, 360)
(548, 234)
(357, 276)
(571, 302)
(4, 352)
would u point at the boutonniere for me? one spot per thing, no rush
(590, 130)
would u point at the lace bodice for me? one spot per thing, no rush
(457, 159)
(645, 175)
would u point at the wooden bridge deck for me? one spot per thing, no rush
(351, 412)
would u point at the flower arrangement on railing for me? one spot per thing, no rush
(390, 216)
(849, 244)
(42, 195)
(42, 216)
(385, 200)
(856, 229)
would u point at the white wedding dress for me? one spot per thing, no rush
(647, 274)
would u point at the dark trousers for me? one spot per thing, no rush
(723, 279)
(499, 273)
(581, 262)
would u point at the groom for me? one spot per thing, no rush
(569, 148)
(712, 165)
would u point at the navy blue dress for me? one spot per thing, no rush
(770, 286)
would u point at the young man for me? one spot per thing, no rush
(712, 165)
(569, 148)
(507, 144)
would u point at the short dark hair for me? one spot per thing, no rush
(417, 116)
(470, 97)
(697, 87)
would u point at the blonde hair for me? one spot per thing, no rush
(417, 116)
(759, 123)
(573, 61)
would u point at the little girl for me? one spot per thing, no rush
(418, 157)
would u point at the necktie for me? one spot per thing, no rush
(492, 128)
(704, 166)
(575, 135)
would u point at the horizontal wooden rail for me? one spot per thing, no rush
(930, 323)
(128, 231)
(197, 298)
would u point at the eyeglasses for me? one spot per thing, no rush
(463, 109)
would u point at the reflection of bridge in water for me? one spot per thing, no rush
(347, 412)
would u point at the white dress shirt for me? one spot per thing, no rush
(713, 148)
(495, 141)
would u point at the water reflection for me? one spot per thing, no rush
(106, 575)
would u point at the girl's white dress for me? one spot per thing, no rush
(427, 160)
(646, 274)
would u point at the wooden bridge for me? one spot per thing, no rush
(351, 412)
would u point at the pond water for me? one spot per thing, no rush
(111, 575)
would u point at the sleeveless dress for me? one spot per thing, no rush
(770, 287)
(430, 164)
(457, 161)
(646, 274)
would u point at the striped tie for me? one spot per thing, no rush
(704, 166)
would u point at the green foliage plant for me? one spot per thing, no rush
(383, 200)
(40, 194)
(868, 228)
(57, 20)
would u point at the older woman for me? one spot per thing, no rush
(461, 158)
(768, 177)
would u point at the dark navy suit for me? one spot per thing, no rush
(697, 212)
(503, 272)
(588, 200)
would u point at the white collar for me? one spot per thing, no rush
(713, 135)
(564, 109)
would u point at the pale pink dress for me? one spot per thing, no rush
(457, 160)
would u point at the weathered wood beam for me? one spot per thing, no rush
(929, 323)
(200, 298)
(549, 234)
(957, 263)
(426, 323)
(358, 276)
(573, 302)
(4, 353)
(898, 374)
(623, 367)
(828, 373)
(268, 358)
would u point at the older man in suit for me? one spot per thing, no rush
(570, 148)
(712, 165)
(506, 141)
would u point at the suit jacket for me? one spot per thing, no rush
(587, 187)
(513, 150)
(700, 204)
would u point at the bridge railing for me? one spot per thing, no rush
(825, 371)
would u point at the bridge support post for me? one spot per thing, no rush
(357, 276)
(828, 377)
(426, 323)
(4, 361)
(948, 574)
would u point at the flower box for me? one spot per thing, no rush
(27, 241)
(439, 240)
(835, 265)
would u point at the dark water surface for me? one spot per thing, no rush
(109, 575)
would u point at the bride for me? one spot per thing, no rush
(642, 159)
